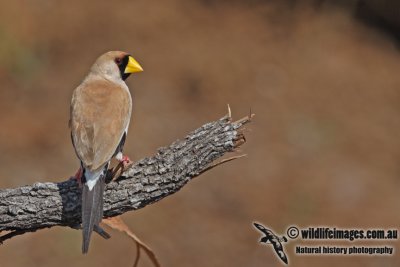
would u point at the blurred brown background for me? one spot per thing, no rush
(321, 76)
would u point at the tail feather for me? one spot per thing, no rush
(92, 210)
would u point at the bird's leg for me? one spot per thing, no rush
(78, 176)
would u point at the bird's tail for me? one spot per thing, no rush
(92, 206)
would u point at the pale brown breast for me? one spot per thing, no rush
(100, 114)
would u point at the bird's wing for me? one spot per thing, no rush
(269, 232)
(279, 250)
(100, 114)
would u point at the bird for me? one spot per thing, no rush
(100, 112)
(274, 240)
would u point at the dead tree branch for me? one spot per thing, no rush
(42, 205)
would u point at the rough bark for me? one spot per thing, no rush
(41, 205)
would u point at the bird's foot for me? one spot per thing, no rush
(124, 162)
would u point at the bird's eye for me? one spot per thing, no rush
(118, 61)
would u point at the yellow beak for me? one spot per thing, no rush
(133, 66)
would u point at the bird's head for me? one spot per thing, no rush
(116, 66)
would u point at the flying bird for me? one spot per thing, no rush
(100, 113)
(270, 237)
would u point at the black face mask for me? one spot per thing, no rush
(122, 66)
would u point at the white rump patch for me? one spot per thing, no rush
(119, 156)
(92, 177)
